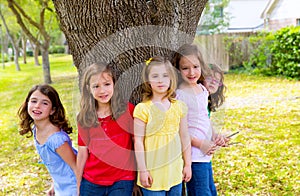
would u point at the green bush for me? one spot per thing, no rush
(5, 57)
(236, 47)
(56, 49)
(29, 53)
(286, 52)
(267, 53)
(261, 56)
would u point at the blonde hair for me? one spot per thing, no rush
(155, 61)
(87, 116)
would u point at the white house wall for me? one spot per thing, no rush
(245, 15)
(286, 9)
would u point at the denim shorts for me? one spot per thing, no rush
(123, 187)
(202, 182)
(174, 191)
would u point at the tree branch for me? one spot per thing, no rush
(18, 11)
(21, 11)
(21, 23)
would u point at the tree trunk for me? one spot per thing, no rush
(46, 66)
(16, 58)
(126, 33)
(14, 43)
(24, 40)
(36, 51)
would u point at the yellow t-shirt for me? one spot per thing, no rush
(162, 143)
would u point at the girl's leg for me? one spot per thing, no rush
(175, 190)
(199, 184)
(211, 182)
(147, 192)
(123, 187)
(90, 189)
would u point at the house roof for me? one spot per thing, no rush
(245, 15)
(281, 9)
(270, 6)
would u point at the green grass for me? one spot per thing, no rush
(266, 111)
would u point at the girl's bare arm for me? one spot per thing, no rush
(139, 133)
(81, 160)
(66, 152)
(186, 149)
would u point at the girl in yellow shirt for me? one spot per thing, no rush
(161, 140)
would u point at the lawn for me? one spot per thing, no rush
(266, 111)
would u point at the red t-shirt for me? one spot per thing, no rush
(110, 145)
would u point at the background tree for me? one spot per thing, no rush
(214, 19)
(14, 39)
(126, 33)
(26, 21)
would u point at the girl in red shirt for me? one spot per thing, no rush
(105, 161)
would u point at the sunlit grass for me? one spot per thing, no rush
(266, 111)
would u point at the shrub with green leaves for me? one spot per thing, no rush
(57, 49)
(286, 52)
(267, 53)
(261, 57)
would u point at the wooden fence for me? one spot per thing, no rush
(214, 49)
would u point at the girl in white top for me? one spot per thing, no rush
(189, 61)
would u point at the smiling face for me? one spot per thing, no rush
(190, 69)
(39, 106)
(159, 79)
(102, 87)
(212, 83)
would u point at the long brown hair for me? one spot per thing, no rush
(190, 49)
(58, 118)
(216, 99)
(155, 61)
(87, 116)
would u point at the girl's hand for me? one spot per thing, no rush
(227, 140)
(50, 191)
(146, 179)
(212, 150)
(187, 173)
(220, 140)
(207, 147)
(136, 190)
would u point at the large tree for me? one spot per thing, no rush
(126, 33)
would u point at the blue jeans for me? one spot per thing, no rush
(202, 182)
(123, 187)
(174, 191)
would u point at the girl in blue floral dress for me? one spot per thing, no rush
(43, 115)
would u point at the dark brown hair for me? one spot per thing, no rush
(216, 99)
(58, 118)
(190, 49)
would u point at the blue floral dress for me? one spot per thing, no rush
(62, 174)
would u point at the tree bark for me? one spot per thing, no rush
(46, 67)
(14, 43)
(16, 58)
(36, 51)
(24, 40)
(125, 33)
